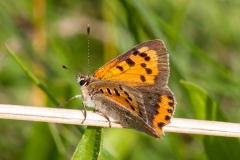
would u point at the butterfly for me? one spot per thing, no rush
(132, 89)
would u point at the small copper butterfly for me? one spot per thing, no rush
(132, 89)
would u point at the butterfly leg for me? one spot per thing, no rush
(77, 96)
(84, 112)
(104, 115)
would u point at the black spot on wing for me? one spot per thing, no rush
(116, 92)
(147, 58)
(130, 98)
(130, 62)
(120, 87)
(132, 107)
(143, 79)
(135, 51)
(109, 91)
(120, 68)
(143, 65)
(143, 54)
(127, 101)
(171, 104)
(161, 124)
(170, 97)
(167, 118)
(126, 93)
(169, 110)
(148, 70)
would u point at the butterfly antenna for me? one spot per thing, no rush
(88, 36)
(65, 67)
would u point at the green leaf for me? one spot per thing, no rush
(203, 105)
(206, 108)
(90, 146)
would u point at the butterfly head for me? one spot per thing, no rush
(83, 80)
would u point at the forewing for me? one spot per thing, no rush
(144, 65)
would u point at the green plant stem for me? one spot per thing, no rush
(31, 76)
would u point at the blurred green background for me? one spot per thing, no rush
(203, 41)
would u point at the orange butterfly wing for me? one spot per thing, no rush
(146, 68)
(139, 66)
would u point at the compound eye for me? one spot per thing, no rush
(82, 82)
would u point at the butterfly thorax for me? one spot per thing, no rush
(84, 81)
